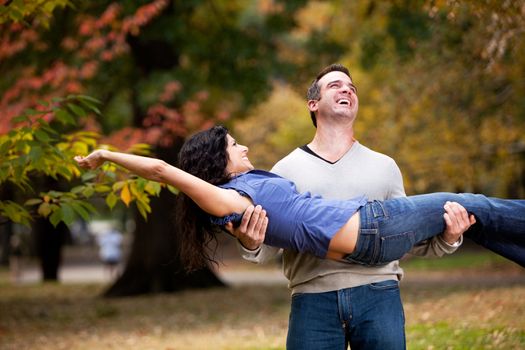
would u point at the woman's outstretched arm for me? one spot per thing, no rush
(212, 199)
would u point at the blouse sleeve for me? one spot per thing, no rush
(234, 218)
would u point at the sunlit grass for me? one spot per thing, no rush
(443, 335)
(482, 259)
(447, 314)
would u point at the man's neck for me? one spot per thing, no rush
(332, 143)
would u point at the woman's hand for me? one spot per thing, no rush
(92, 161)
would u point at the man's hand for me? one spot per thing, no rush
(458, 221)
(253, 226)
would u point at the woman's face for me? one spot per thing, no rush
(238, 161)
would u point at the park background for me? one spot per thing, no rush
(441, 90)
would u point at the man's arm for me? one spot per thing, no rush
(458, 221)
(455, 216)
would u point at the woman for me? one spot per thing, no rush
(219, 183)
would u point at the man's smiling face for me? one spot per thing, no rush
(338, 96)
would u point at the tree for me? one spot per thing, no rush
(162, 70)
(36, 154)
(439, 84)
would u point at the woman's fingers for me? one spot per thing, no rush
(92, 161)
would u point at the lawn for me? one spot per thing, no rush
(476, 305)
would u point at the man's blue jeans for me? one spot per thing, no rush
(366, 317)
(390, 229)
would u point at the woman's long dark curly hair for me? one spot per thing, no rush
(205, 156)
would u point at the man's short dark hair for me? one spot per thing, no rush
(314, 91)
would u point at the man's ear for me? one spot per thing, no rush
(312, 105)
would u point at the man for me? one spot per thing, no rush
(335, 304)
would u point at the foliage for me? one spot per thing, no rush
(439, 82)
(458, 126)
(36, 148)
(275, 127)
(36, 11)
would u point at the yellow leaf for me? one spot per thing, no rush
(125, 195)
(44, 209)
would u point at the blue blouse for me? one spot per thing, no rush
(300, 222)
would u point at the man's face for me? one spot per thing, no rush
(338, 97)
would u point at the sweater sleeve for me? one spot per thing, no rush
(434, 247)
(397, 188)
(260, 255)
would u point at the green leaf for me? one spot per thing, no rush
(56, 217)
(33, 201)
(31, 111)
(79, 111)
(143, 208)
(173, 190)
(102, 188)
(88, 98)
(111, 200)
(15, 212)
(118, 185)
(64, 117)
(88, 206)
(42, 136)
(153, 188)
(90, 103)
(64, 171)
(4, 146)
(80, 210)
(77, 189)
(89, 175)
(35, 154)
(44, 209)
(88, 192)
(68, 213)
(20, 119)
(54, 194)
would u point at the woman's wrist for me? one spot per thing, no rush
(105, 155)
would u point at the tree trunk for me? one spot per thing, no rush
(153, 266)
(6, 231)
(6, 227)
(48, 243)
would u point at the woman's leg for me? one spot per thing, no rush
(389, 229)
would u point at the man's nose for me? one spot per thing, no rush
(346, 89)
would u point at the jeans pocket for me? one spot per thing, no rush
(383, 285)
(366, 250)
(394, 247)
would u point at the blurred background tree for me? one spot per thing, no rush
(440, 85)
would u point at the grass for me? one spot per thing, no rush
(469, 308)
(472, 259)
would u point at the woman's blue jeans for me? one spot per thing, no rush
(390, 229)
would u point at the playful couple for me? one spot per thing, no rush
(340, 251)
